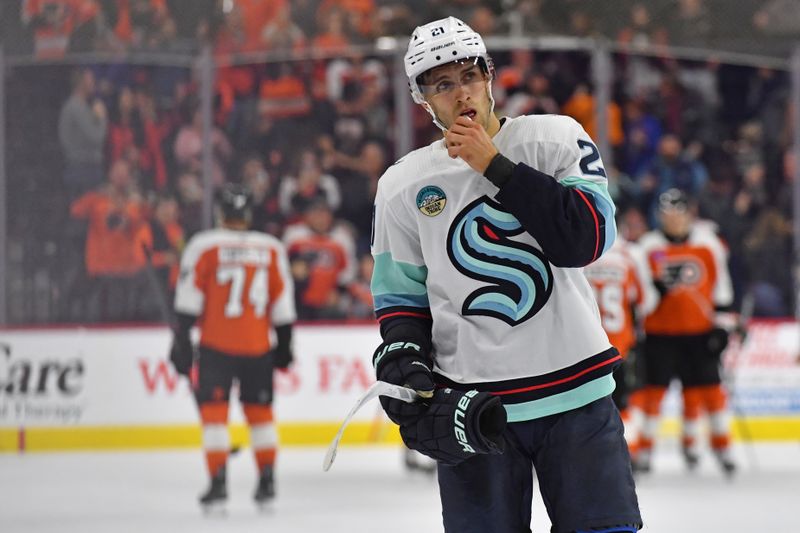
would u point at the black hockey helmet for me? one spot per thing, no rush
(235, 202)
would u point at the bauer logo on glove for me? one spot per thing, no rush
(457, 425)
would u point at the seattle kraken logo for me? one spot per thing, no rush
(479, 246)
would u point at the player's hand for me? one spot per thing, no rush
(717, 342)
(408, 365)
(282, 358)
(181, 355)
(469, 141)
(457, 425)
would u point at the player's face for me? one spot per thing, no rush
(676, 222)
(458, 89)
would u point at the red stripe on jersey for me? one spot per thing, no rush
(404, 313)
(596, 223)
(559, 381)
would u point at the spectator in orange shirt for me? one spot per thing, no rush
(322, 260)
(580, 106)
(282, 94)
(115, 214)
(162, 239)
(52, 23)
(332, 37)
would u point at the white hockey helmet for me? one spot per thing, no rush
(439, 43)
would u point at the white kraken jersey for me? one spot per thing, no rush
(505, 319)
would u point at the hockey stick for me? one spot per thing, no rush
(379, 388)
(748, 306)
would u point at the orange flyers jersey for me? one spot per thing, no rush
(238, 285)
(695, 273)
(621, 282)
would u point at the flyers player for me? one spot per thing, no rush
(689, 265)
(236, 287)
(625, 294)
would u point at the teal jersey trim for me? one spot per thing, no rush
(385, 301)
(398, 283)
(603, 201)
(564, 401)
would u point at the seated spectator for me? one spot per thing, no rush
(308, 184)
(159, 242)
(52, 23)
(255, 15)
(359, 12)
(642, 133)
(322, 260)
(358, 180)
(671, 168)
(267, 216)
(641, 30)
(283, 94)
(534, 98)
(768, 251)
(483, 20)
(144, 24)
(356, 86)
(358, 301)
(190, 202)
(690, 24)
(332, 37)
(115, 214)
(189, 149)
(580, 106)
(281, 34)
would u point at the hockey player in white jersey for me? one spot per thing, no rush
(479, 240)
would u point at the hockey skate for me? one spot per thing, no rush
(265, 491)
(691, 458)
(213, 500)
(725, 462)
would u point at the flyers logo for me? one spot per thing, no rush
(683, 272)
(519, 278)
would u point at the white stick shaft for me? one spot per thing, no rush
(379, 388)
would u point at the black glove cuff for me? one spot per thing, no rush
(499, 170)
(284, 337)
(492, 420)
(409, 330)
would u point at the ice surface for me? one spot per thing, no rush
(155, 492)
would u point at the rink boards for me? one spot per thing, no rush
(113, 388)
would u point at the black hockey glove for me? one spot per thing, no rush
(407, 364)
(181, 355)
(283, 356)
(717, 341)
(457, 425)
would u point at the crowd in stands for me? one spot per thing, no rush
(51, 29)
(310, 136)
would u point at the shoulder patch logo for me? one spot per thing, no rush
(431, 200)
